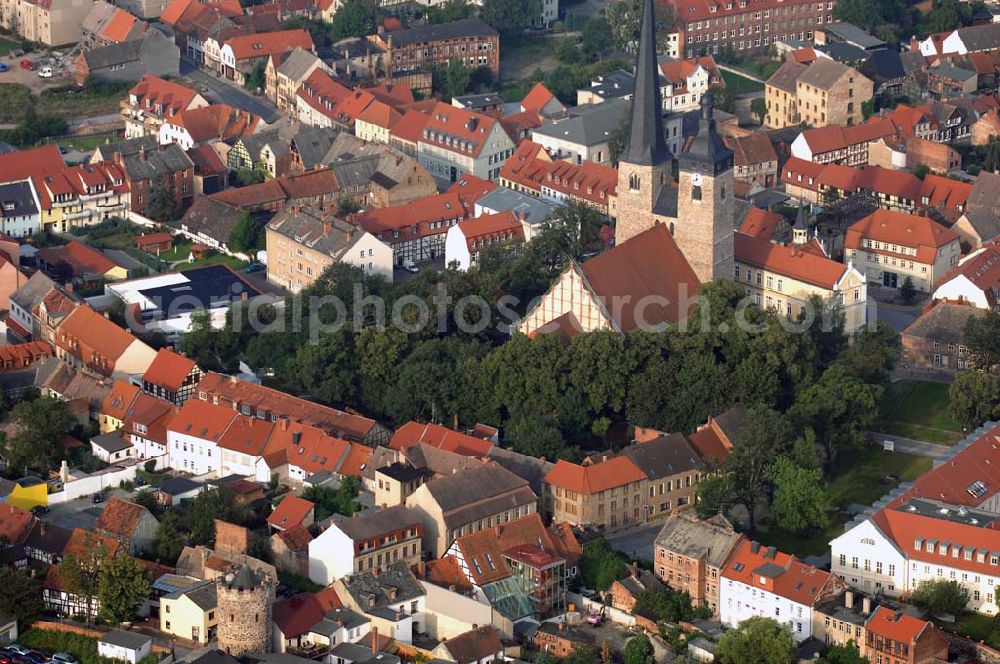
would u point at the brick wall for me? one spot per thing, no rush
(230, 538)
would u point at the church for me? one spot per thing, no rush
(671, 237)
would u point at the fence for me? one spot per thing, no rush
(109, 478)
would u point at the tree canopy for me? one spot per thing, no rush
(511, 17)
(355, 18)
(941, 596)
(247, 235)
(757, 640)
(39, 425)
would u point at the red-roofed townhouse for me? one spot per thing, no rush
(238, 54)
(376, 121)
(762, 581)
(416, 231)
(589, 183)
(976, 279)
(87, 339)
(153, 100)
(316, 98)
(132, 525)
(467, 238)
(413, 433)
(890, 246)
(947, 196)
(313, 622)
(217, 122)
(245, 442)
(144, 425)
(541, 100)
(754, 159)
(116, 404)
(171, 376)
(607, 493)
(194, 433)
(455, 141)
(842, 145)
(407, 131)
(894, 637)
(944, 526)
(689, 80)
(783, 277)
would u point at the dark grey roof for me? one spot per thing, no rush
(985, 192)
(297, 63)
(131, 640)
(664, 457)
(852, 34)
(271, 138)
(769, 570)
(158, 163)
(616, 83)
(568, 632)
(712, 539)
(203, 595)
(823, 73)
(356, 172)
(953, 72)
(316, 230)
(646, 144)
(312, 144)
(472, 102)
(401, 472)
(912, 61)
(16, 199)
(379, 522)
(359, 654)
(985, 223)
(207, 287)
(642, 580)
(707, 154)
(591, 124)
(215, 657)
(211, 217)
(981, 37)
(113, 54)
(372, 592)
(844, 53)
(354, 47)
(786, 76)
(535, 210)
(731, 420)
(244, 579)
(884, 65)
(337, 619)
(47, 537)
(529, 468)
(467, 27)
(111, 442)
(178, 485)
(476, 484)
(666, 202)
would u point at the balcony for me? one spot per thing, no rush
(97, 196)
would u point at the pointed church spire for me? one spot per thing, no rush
(646, 145)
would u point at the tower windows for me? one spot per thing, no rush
(671, 228)
(696, 193)
(633, 182)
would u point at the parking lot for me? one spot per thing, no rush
(80, 513)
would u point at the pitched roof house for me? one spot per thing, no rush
(132, 525)
(86, 339)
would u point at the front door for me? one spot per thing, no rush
(890, 279)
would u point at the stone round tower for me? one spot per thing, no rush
(244, 601)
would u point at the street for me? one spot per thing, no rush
(227, 92)
(635, 543)
(897, 317)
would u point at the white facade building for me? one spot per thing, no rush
(193, 436)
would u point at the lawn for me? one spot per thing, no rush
(214, 259)
(180, 251)
(979, 628)
(84, 143)
(67, 102)
(741, 84)
(867, 476)
(759, 68)
(116, 241)
(82, 647)
(917, 409)
(8, 45)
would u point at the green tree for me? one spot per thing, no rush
(759, 108)
(449, 11)
(80, 573)
(600, 565)
(247, 235)
(800, 499)
(618, 141)
(579, 225)
(162, 205)
(596, 38)
(209, 505)
(724, 98)
(862, 13)
(713, 496)
(254, 81)
(170, 539)
(567, 51)
(921, 172)
(846, 654)
(624, 19)
(757, 640)
(122, 585)
(148, 500)
(511, 17)
(940, 596)
(20, 597)
(259, 546)
(452, 80)
(973, 397)
(982, 336)
(538, 436)
(639, 650)
(583, 653)
(764, 437)
(908, 291)
(327, 370)
(868, 108)
(355, 18)
(328, 501)
(38, 425)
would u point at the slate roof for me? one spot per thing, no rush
(297, 63)
(786, 76)
(823, 73)
(664, 457)
(130, 640)
(710, 540)
(475, 645)
(16, 199)
(476, 484)
(312, 144)
(113, 54)
(371, 525)
(646, 144)
(365, 587)
(157, 163)
(986, 224)
(111, 442)
(211, 217)
(945, 322)
(587, 125)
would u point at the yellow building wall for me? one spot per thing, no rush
(28, 498)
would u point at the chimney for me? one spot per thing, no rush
(64, 471)
(142, 152)
(635, 568)
(375, 647)
(562, 626)
(849, 599)
(866, 605)
(296, 437)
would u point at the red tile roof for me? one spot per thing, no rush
(589, 180)
(95, 340)
(410, 127)
(418, 214)
(678, 71)
(206, 160)
(945, 194)
(263, 44)
(172, 13)
(118, 28)
(519, 125)
(647, 268)
(501, 227)
(595, 478)
(322, 92)
(119, 518)
(471, 188)
(982, 269)
(795, 580)
(296, 539)
(169, 369)
(22, 163)
(761, 223)
(153, 239)
(905, 230)
(153, 414)
(834, 137)
(81, 258)
(15, 523)
(447, 573)
(379, 114)
(217, 121)
(329, 599)
(457, 129)
(83, 543)
(311, 449)
(537, 98)
(297, 614)
(202, 419)
(247, 435)
(119, 399)
(392, 94)
(441, 437)
(896, 625)
(290, 512)
(752, 149)
(23, 355)
(358, 456)
(788, 260)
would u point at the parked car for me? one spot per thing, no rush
(3, 66)
(410, 266)
(45, 72)
(97, 498)
(27, 64)
(18, 649)
(254, 267)
(63, 658)
(40, 510)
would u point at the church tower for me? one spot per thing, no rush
(644, 167)
(705, 209)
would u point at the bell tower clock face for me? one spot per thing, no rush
(696, 179)
(696, 186)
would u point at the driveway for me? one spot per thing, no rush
(897, 317)
(80, 513)
(635, 543)
(228, 92)
(909, 445)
